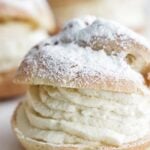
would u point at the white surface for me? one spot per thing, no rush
(8, 140)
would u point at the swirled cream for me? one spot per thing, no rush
(82, 116)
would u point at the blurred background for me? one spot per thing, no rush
(23, 23)
(133, 14)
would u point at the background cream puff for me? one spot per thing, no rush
(22, 25)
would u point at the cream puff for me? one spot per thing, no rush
(22, 25)
(86, 90)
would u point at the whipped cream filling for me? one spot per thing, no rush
(83, 116)
(15, 41)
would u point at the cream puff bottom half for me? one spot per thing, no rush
(83, 117)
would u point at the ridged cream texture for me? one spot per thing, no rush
(15, 41)
(84, 116)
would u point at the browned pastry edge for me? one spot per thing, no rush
(94, 82)
(139, 29)
(146, 73)
(31, 144)
(9, 89)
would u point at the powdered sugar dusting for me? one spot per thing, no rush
(108, 31)
(74, 26)
(108, 35)
(87, 52)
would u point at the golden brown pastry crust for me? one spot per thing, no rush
(8, 88)
(31, 144)
(39, 66)
(100, 81)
